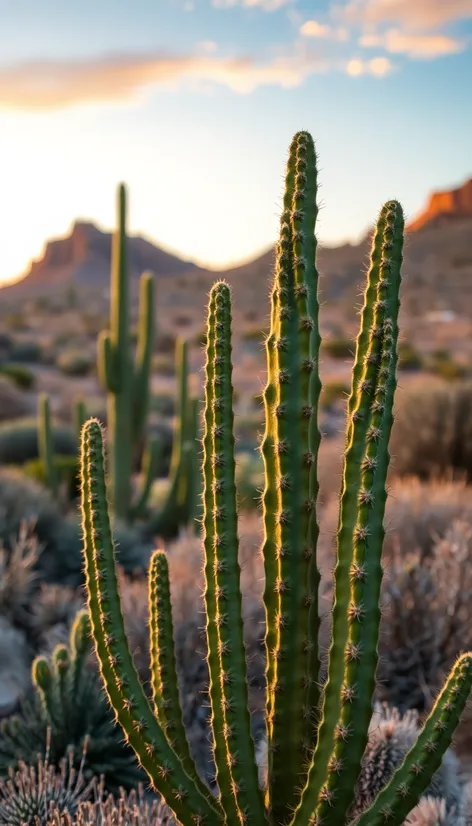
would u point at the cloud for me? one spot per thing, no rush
(47, 84)
(377, 66)
(417, 46)
(265, 5)
(311, 28)
(414, 15)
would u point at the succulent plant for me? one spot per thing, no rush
(316, 735)
(33, 794)
(70, 704)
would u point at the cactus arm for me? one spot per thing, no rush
(121, 680)
(143, 356)
(165, 686)
(150, 467)
(357, 427)
(62, 666)
(81, 646)
(79, 416)
(106, 362)
(223, 775)
(44, 680)
(413, 776)
(192, 462)
(294, 412)
(181, 413)
(239, 742)
(46, 449)
(361, 655)
(304, 216)
(269, 507)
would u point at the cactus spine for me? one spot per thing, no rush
(316, 738)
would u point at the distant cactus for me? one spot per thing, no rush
(128, 388)
(316, 738)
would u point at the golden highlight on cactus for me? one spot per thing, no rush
(316, 733)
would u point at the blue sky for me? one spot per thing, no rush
(193, 104)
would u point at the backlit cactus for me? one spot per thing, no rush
(316, 736)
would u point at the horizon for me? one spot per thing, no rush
(197, 121)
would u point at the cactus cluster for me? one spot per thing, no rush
(316, 735)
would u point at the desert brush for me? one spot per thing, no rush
(316, 735)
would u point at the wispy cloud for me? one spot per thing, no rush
(422, 15)
(311, 28)
(265, 5)
(417, 46)
(54, 84)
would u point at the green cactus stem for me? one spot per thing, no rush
(46, 448)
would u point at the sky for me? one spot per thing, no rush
(193, 103)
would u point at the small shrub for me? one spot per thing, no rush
(432, 431)
(75, 363)
(442, 364)
(408, 357)
(13, 404)
(25, 351)
(339, 348)
(20, 375)
(67, 470)
(332, 392)
(19, 441)
(163, 404)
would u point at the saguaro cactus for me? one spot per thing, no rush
(316, 736)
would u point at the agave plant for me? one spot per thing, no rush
(316, 735)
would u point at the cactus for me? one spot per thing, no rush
(128, 387)
(127, 384)
(46, 450)
(316, 737)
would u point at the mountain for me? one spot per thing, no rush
(443, 207)
(83, 258)
(437, 265)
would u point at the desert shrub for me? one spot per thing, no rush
(427, 596)
(15, 321)
(13, 404)
(165, 343)
(339, 348)
(163, 404)
(67, 470)
(249, 479)
(408, 357)
(332, 392)
(25, 351)
(19, 441)
(432, 431)
(163, 365)
(75, 363)
(443, 364)
(20, 375)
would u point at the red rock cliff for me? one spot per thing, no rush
(454, 203)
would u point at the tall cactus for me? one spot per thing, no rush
(316, 735)
(126, 382)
